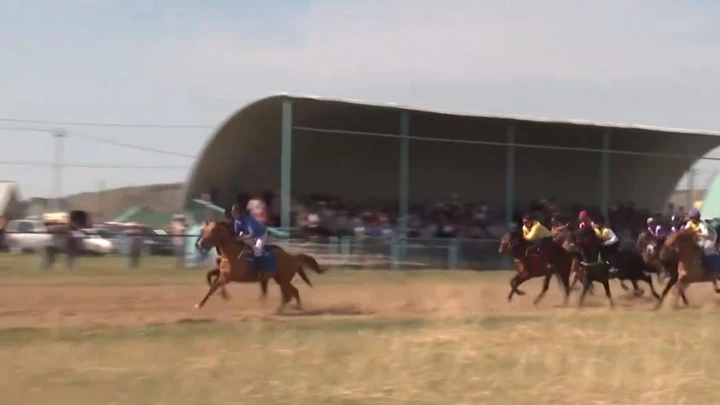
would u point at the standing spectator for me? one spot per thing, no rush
(136, 245)
(178, 230)
(73, 240)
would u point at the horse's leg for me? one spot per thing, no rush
(587, 284)
(515, 283)
(220, 281)
(263, 288)
(546, 284)
(637, 291)
(715, 284)
(680, 288)
(296, 295)
(624, 287)
(566, 284)
(668, 286)
(216, 273)
(286, 295)
(648, 279)
(606, 285)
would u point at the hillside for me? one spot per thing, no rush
(108, 204)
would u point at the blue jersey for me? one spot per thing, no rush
(249, 226)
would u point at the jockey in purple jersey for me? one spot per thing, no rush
(677, 223)
(252, 232)
(655, 229)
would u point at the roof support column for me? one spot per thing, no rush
(404, 203)
(286, 166)
(605, 175)
(510, 176)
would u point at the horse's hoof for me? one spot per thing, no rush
(639, 292)
(197, 306)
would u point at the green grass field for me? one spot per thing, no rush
(464, 346)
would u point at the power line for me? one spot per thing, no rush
(89, 165)
(132, 146)
(102, 140)
(104, 124)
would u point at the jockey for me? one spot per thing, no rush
(610, 243)
(247, 226)
(706, 235)
(585, 220)
(655, 229)
(541, 238)
(556, 225)
(676, 222)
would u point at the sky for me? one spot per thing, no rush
(654, 62)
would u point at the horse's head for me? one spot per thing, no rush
(214, 233)
(683, 241)
(588, 242)
(511, 241)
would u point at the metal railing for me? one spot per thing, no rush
(344, 252)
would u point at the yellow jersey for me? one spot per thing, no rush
(605, 234)
(535, 231)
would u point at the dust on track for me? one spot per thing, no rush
(63, 304)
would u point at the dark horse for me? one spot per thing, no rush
(630, 266)
(565, 237)
(529, 265)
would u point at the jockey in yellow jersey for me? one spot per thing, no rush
(541, 238)
(610, 243)
(706, 235)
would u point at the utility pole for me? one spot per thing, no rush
(691, 188)
(57, 167)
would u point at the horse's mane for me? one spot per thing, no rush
(587, 232)
(682, 234)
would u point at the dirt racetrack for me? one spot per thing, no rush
(130, 299)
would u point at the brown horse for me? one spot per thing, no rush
(234, 267)
(530, 266)
(689, 269)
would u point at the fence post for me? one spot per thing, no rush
(345, 249)
(394, 253)
(453, 253)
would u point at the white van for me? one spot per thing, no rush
(26, 235)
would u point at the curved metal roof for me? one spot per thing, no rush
(214, 143)
(549, 120)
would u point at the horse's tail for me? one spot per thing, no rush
(304, 276)
(310, 261)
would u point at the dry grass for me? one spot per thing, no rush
(427, 338)
(627, 359)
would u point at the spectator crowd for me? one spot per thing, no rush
(322, 216)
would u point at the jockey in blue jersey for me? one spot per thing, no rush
(249, 229)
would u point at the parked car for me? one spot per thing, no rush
(155, 242)
(26, 235)
(96, 242)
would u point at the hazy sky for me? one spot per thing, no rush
(195, 62)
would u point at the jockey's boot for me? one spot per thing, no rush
(259, 266)
(612, 270)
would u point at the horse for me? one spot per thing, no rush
(630, 265)
(651, 249)
(565, 237)
(233, 264)
(531, 266)
(213, 274)
(689, 269)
